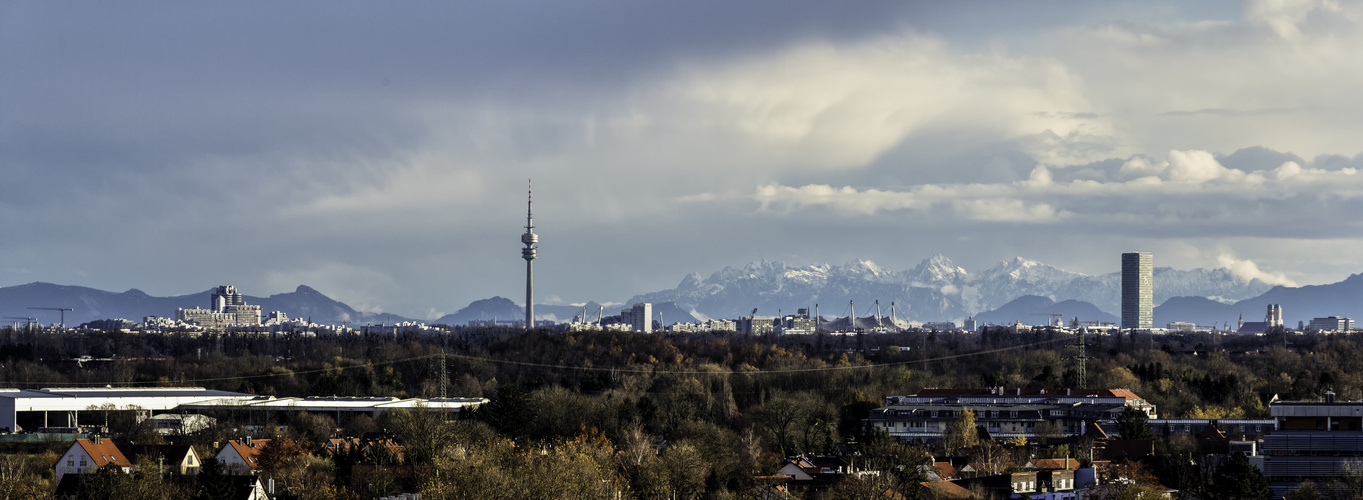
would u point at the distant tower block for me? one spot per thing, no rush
(1138, 290)
(531, 241)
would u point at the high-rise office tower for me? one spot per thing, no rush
(531, 241)
(1138, 290)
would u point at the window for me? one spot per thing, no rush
(70, 461)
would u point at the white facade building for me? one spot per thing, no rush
(86, 456)
(639, 317)
(1330, 324)
(226, 309)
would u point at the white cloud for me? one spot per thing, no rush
(1189, 189)
(1249, 270)
(822, 105)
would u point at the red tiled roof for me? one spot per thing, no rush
(250, 453)
(1057, 463)
(944, 470)
(1094, 431)
(946, 489)
(103, 453)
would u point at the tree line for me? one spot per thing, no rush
(651, 416)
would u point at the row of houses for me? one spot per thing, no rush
(1049, 479)
(238, 457)
(88, 456)
(1319, 441)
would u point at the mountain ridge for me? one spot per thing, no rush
(934, 290)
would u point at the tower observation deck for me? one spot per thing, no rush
(531, 241)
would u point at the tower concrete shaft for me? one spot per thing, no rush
(531, 241)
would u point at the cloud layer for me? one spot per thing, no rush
(379, 153)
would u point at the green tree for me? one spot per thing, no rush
(1237, 479)
(1307, 490)
(212, 483)
(1133, 424)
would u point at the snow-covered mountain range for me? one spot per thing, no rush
(935, 290)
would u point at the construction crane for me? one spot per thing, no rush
(1054, 321)
(62, 310)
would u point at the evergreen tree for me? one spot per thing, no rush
(1239, 480)
(1133, 424)
(213, 484)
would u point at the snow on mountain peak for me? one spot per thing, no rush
(936, 289)
(937, 270)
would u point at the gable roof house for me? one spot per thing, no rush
(85, 456)
(813, 472)
(242, 457)
(174, 458)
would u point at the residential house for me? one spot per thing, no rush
(813, 472)
(241, 457)
(178, 459)
(944, 490)
(86, 456)
(1047, 484)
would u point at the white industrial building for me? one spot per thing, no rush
(29, 410)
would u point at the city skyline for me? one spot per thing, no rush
(377, 151)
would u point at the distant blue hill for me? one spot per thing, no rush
(502, 308)
(90, 304)
(1303, 303)
(1035, 310)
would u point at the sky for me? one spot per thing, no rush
(380, 151)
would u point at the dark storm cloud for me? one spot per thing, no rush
(378, 151)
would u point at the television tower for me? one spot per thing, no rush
(530, 239)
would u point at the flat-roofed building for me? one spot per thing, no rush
(1138, 290)
(1004, 413)
(1316, 440)
(29, 409)
(85, 408)
(1330, 324)
(340, 409)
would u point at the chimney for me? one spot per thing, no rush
(1329, 396)
(1067, 392)
(247, 441)
(95, 438)
(1019, 392)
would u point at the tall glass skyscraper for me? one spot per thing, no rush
(1138, 290)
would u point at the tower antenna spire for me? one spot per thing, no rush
(531, 241)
